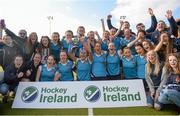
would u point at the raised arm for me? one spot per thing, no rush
(158, 47)
(153, 21)
(109, 22)
(119, 30)
(71, 55)
(103, 25)
(172, 22)
(97, 34)
(87, 47)
(133, 42)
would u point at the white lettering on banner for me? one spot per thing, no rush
(86, 94)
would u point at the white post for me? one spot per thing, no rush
(90, 111)
(50, 18)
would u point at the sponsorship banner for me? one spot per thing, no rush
(75, 94)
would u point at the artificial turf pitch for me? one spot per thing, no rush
(5, 109)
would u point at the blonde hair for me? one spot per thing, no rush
(156, 64)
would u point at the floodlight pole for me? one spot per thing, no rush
(50, 18)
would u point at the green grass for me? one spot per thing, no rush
(5, 109)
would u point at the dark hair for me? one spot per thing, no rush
(144, 32)
(140, 44)
(80, 27)
(139, 24)
(69, 31)
(48, 41)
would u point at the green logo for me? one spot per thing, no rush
(29, 94)
(92, 93)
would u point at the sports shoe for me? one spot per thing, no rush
(157, 106)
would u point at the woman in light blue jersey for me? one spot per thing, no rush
(129, 64)
(141, 63)
(113, 63)
(98, 71)
(67, 41)
(48, 71)
(55, 46)
(83, 63)
(65, 68)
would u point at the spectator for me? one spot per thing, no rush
(171, 93)
(147, 45)
(161, 26)
(9, 50)
(32, 46)
(31, 68)
(164, 46)
(12, 75)
(153, 72)
(20, 40)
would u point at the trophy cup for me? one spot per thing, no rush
(74, 48)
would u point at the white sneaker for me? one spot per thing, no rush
(157, 106)
(149, 105)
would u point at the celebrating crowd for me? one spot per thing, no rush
(150, 54)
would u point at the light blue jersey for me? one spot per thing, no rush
(125, 42)
(104, 46)
(65, 45)
(129, 68)
(47, 74)
(99, 65)
(141, 62)
(117, 43)
(65, 71)
(113, 65)
(55, 50)
(83, 70)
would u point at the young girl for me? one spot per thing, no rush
(113, 63)
(129, 64)
(153, 78)
(67, 41)
(65, 68)
(44, 49)
(147, 45)
(164, 46)
(48, 71)
(98, 71)
(12, 75)
(83, 63)
(141, 63)
(31, 46)
(31, 68)
(55, 46)
(171, 71)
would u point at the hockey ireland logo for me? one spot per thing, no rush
(92, 93)
(29, 94)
